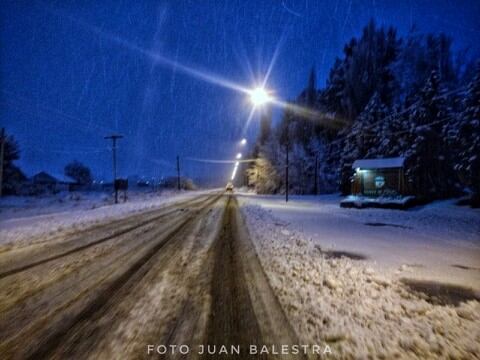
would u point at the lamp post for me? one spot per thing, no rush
(259, 97)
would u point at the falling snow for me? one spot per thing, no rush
(164, 74)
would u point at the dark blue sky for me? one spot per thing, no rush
(72, 72)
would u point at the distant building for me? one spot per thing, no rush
(45, 182)
(379, 177)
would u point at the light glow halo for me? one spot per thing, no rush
(259, 96)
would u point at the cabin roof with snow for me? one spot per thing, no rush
(385, 163)
(44, 177)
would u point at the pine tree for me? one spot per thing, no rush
(393, 134)
(418, 57)
(326, 175)
(12, 175)
(364, 135)
(298, 170)
(303, 124)
(367, 69)
(427, 168)
(265, 126)
(363, 139)
(309, 96)
(464, 138)
(332, 97)
(265, 173)
(76, 170)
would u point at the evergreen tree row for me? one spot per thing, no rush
(387, 96)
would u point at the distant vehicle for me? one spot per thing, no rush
(229, 187)
(143, 183)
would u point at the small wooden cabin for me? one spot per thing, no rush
(45, 182)
(379, 177)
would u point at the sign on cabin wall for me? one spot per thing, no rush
(379, 183)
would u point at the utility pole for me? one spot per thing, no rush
(2, 155)
(315, 188)
(114, 138)
(286, 172)
(178, 173)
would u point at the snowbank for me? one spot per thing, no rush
(399, 202)
(359, 311)
(439, 241)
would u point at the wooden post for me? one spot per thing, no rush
(114, 139)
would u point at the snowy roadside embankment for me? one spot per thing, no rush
(24, 219)
(439, 241)
(356, 310)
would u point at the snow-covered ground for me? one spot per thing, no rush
(362, 307)
(24, 218)
(439, 241)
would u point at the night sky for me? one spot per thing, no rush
(72, 73)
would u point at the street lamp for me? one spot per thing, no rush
(239, 155)
(243, 141)
(259, 96)
(235, 170)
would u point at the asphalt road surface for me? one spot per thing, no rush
(185, 274)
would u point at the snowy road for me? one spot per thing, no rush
(199, 271)
(183, 274)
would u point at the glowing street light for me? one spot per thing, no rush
(239, 155)
(243, 141)
(259, 96)
(235, 170)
